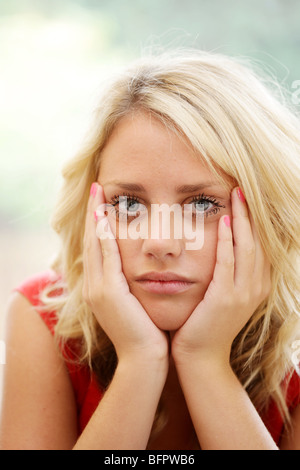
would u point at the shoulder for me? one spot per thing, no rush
(35, 367)
(23, 321)
(33, 288)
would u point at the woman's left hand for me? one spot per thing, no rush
(241, 281)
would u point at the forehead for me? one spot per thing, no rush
(142, 148)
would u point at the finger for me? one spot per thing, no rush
(86, 244)
(111, 260)
(244, 244)
(92, 255)
(224, 268)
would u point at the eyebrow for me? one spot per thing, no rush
(183, 189)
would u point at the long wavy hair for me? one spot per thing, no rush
(242, 125)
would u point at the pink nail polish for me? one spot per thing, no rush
(227, 220)
(93, 190)
(241, 195)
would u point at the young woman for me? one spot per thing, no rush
(141, 341)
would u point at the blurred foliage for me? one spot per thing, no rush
(54, 54)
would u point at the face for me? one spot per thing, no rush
(149, 164)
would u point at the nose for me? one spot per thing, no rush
(162, 240)
(160, 248)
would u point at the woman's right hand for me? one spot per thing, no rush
(106, 291)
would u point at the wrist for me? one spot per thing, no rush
(185, 350)
(202, 359)
(142, 375)
(143, 362)
(207, 371)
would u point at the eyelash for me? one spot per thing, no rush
(115, 201)
(200, 199)
(212, 200)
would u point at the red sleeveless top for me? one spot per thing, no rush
(86, 389)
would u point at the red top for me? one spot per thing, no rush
(86, 389)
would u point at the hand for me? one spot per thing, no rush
(107, 293)
(241, 281)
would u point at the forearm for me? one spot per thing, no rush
(222, 412)
(124, 417)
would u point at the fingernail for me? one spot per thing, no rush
(241, 195)
(227, 220)
(93, 189)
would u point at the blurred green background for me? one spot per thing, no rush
(54, 55)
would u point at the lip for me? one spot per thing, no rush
(164, 282)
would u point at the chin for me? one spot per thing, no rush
(168, 314)
(168, 324)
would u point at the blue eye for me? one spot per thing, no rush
(205, 205)
(127, 206)
(202, 206)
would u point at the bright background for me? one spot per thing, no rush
(54, 55)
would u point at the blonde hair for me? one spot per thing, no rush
(239, 127)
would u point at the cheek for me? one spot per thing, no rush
(205, 258)
(129, 250)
